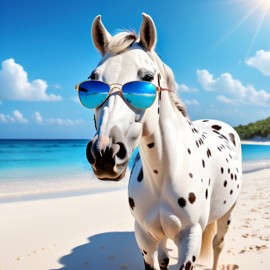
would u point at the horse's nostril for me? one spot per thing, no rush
(122, 151)
(89, 154)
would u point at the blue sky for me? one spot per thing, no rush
(219, 51)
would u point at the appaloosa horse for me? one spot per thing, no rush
(187, 176)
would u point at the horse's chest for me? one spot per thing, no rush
(162, 213)
(158, 218)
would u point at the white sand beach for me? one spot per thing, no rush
(96, 231)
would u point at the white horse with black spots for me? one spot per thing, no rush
(187, 176)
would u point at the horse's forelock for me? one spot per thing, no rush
(121, 42)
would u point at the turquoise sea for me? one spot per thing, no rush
(36, 166)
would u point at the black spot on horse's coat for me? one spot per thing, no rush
(189, 151)
(182, 202)
(131, 203)
(191, 197)
(140, 176)
(193, 258)
(228, 222)
(197, 144)
(224, 137)
(219, 149)
(203, 163)
(231, 192)
(232, 138)
(209, 182)
(190, 175)
(151, 145)
(231, 176)
(155, 171)
(235, 177)
(216, 127)
(225, 202)
(189, 122)
(222, 170)
(144, 252)
(205, 120)
(225, 183)
(206, 194)
(208, 152)
(229, 170)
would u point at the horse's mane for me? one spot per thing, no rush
(124, 40)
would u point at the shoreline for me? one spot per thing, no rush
(85, 184)
(255, 142)
(255, 165)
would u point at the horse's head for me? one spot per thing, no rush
(120, 126)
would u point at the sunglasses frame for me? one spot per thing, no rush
(158, 88)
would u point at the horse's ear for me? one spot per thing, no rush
(148, 34)
(101, 37)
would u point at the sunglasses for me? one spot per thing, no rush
(138, 94)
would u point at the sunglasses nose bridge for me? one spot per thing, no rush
(115, 87)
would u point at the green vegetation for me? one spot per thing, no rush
(258, 129)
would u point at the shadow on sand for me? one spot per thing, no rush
(113, 250)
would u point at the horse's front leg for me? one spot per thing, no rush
(149, 248)
(189, 245)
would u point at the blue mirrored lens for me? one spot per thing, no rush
(139, 94)
(93, 93)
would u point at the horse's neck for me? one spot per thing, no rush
(165, 149)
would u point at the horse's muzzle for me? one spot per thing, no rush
(109, 162)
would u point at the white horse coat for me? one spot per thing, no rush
(187, 175)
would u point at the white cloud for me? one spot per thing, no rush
(191, 102)
(260, 61)
(226, 100)
(38, 118)
(205, 79)
(16, 117)
(64, 122)
(237, 92)
(14, 84)
(56, 121)
(184, 88)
